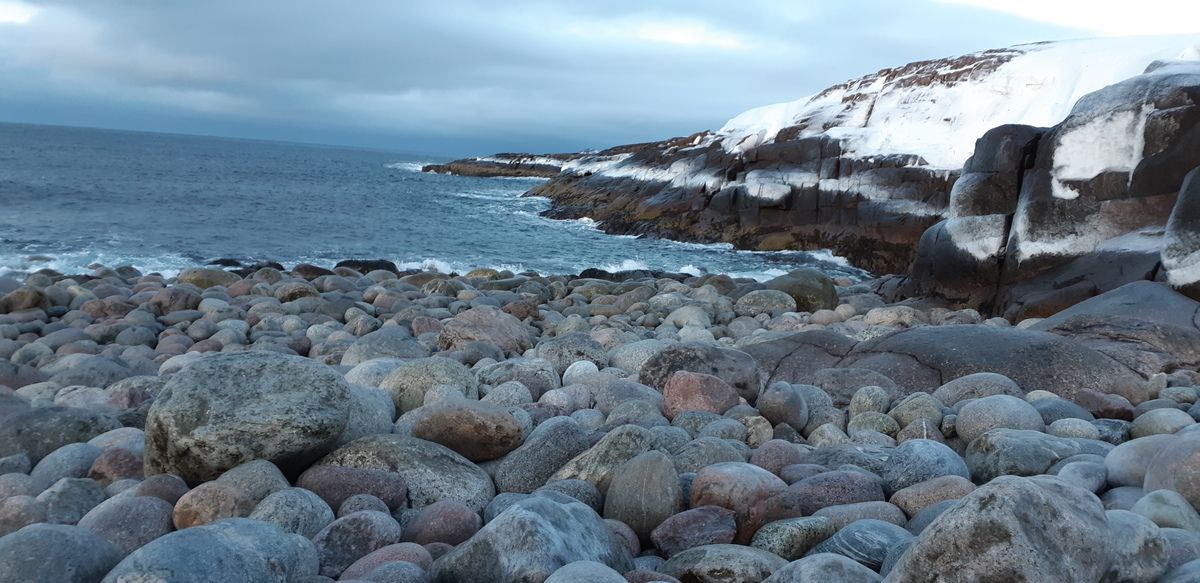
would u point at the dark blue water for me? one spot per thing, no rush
(162, 202)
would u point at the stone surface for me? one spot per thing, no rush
(547, 449)
(689, 391)
(294, 510)
(238, 549)
(430, 471)
(824, 567)
(702, 525)
(129, 522)
(644, 492)
(529, 541)
(209, 502)
(351, 537)
(715, 563)
(39, 431)
(334, 484)
(478, 431)
(1013, 529)
(738, 487)
(232, 408)
(52, 553)
(408, 384)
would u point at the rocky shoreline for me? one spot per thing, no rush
(363, 423)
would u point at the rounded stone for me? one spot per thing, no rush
(478, 431)
(703, 525)
(549, 447)
(408, 384)
(737, 486)
(764, 301)
(824, 567)
(209, 502)
(294, 510)
(714, 563)
(336, 484)
(350, 538)
(228, 409)
(235, 549)
(644, 492)
(71, 498)
(1160, 422)
(447, 522)
(1176, 467)
(919, 460)
(689, 391)
(360, 502)
(430, 471)
(792, 538)
(162, 486)
(996, 412)
(53, 553)
(784, 403)
(407, 552)
(129, 522)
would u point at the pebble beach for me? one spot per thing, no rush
(366, 423)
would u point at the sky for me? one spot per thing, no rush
(473, 77)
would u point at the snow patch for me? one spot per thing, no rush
(981, 236)
(1112, 142)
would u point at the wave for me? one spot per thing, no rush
(408, 166)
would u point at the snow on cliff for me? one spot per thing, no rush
(936, 109)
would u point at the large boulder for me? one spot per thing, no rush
(919, 358)
(227, 409)
(1013, 529)
(529, 541)
(1146, 326)
(432, 472)
(236, 549)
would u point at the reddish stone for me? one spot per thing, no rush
(334, 484)
(408, 552)
(705, 525)
(1105, 406)
(776, 454)
(739, 487)
(692, 391)
(444, 521)
(116, 463)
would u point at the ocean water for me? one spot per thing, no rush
(73, 197)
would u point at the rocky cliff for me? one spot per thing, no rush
(1083, 152)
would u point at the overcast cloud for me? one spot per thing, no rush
(457, 77)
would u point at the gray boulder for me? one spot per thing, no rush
(531, 540)
(235, 549)
(1013, 529)
(39, 431)
(714, 563)
(54, 553)
(228, 409)
(432, 472)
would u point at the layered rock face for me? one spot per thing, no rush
(1067, 194)
(1044, 218)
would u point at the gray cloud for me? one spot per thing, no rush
(461, 76)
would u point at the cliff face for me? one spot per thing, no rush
(862, 168)
(1044, 218)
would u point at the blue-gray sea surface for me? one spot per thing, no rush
(71, 197)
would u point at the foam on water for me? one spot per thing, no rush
(163, 203)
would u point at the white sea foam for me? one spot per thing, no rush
(408, 166)
(625, 265)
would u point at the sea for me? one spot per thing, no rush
(74, 198)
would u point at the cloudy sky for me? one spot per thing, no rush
(457, 77)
